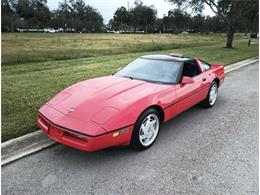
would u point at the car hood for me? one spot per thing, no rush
(98, 100)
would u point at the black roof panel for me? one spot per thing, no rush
(167, 58)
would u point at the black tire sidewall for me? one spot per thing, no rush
(206, 103)
(135, 141)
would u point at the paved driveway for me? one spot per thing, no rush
(202, 151)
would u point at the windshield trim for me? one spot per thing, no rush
(148, 81)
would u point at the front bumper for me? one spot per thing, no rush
(81, 141)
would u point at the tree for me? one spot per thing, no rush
(61, 16)
(77, 16)
(93, 20)
(121, 18)
(41, 13)
(197, 23)
(77, 12)
(249, 16)
(140, 17)
(111, 25)
(179, 19)
(143, 15)
(159, 26)
(9, 16)
(230, 10)
(215, 24)
(35, 12)
(24, 9)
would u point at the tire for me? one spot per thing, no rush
(211, 99)
(145, 133)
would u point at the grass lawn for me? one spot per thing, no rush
(36, 66)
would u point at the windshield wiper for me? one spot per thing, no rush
(157, 82)
(129, 77)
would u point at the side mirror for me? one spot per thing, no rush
(187, 80)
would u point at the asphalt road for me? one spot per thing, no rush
(202, 151)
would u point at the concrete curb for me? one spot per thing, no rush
(20, 147)
(241, 64)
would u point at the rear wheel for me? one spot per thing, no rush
(146, 130)
(212, 95)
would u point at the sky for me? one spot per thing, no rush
(108, 7)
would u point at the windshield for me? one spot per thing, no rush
(152, 70)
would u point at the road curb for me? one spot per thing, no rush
(241, 64)
(20, 147)
(23, 146)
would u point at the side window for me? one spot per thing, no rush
(190, 69)
(205, 65)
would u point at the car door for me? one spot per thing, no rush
(190, 94)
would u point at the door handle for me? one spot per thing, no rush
(204, 79)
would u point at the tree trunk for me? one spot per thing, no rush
(230, 35)
(231, 21)
(12, 27)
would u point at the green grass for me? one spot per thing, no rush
(23, 47)
(37, 66)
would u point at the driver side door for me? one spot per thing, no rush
(191, 94)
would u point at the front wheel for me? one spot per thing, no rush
(146, 130)
(212, 95)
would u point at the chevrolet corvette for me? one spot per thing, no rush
(128, 107)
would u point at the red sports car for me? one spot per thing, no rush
(129, 106)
